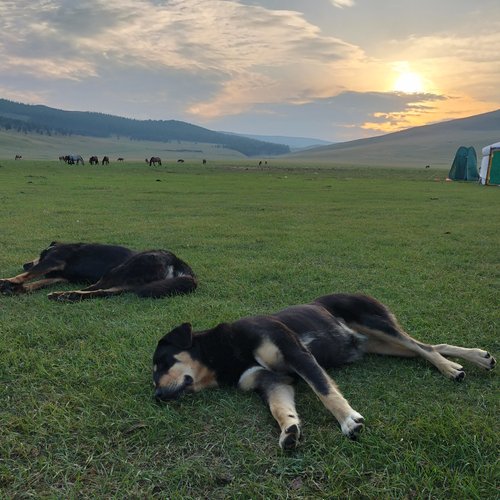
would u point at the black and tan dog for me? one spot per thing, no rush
(112, 269)
(261, 353)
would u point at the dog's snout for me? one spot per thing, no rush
(170, 393)
(162, 394)
(158, 394)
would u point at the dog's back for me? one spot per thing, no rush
(83, 262)
(153, 273)
(328, 338)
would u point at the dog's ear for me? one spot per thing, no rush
(181, 337)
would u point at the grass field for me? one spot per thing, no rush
(77, 419)
(34, 146)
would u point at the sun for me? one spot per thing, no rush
(409, 83)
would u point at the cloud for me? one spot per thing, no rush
(342, 3)
(231, 62)
(468, 63)
(341, 117)
(253, 53)
(220, 35)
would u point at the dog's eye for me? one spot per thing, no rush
(188, 380)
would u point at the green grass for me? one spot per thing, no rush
(76, 414)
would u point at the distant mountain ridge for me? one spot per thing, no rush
(433, 144)
(46, 120)
(295, 143)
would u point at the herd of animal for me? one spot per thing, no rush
(78, 159)
(94, 160)
(262, 353)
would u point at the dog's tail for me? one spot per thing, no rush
(170, 286)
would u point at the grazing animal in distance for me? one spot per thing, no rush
(120, 159)
(105, 160)
(94, 160)
(74, 160)
(18, 157)
(112, 270)
(155, 160)
(180, 160)
(265, 353)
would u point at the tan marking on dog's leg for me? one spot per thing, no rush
(77, 295)
(20, 278)
(33, 273)
(37, 285)
(448, 368)
(479, 357)
(351, 422)
(249, 378)
(445, 366)
(269, 355)
(282, 405)
(375, 346)
(280, 398)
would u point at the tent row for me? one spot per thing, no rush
(464, 166)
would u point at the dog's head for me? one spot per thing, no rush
(43, 255)
(177, 367)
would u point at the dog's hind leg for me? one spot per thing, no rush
(78, 295)
(479, 357)
(390, 339)
(163, 288)
(276, 390)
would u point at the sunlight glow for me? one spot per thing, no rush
(409, 83)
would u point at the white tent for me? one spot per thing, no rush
(485, 161)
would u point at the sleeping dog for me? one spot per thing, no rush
(111, 269)
(264, 353)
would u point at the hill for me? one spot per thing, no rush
(36, 146)
(295, 143)
(433, 145)
(48, 121)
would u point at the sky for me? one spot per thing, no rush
(335, 70)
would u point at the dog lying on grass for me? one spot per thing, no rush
(264, 353)
(111, 269)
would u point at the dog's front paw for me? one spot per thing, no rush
(8, 287)
(65, 296)
(352, 425)
(290, 437)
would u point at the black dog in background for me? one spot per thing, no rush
(111, 269)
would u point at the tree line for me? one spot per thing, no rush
(45, 120)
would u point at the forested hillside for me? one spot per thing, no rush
(49, 121)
